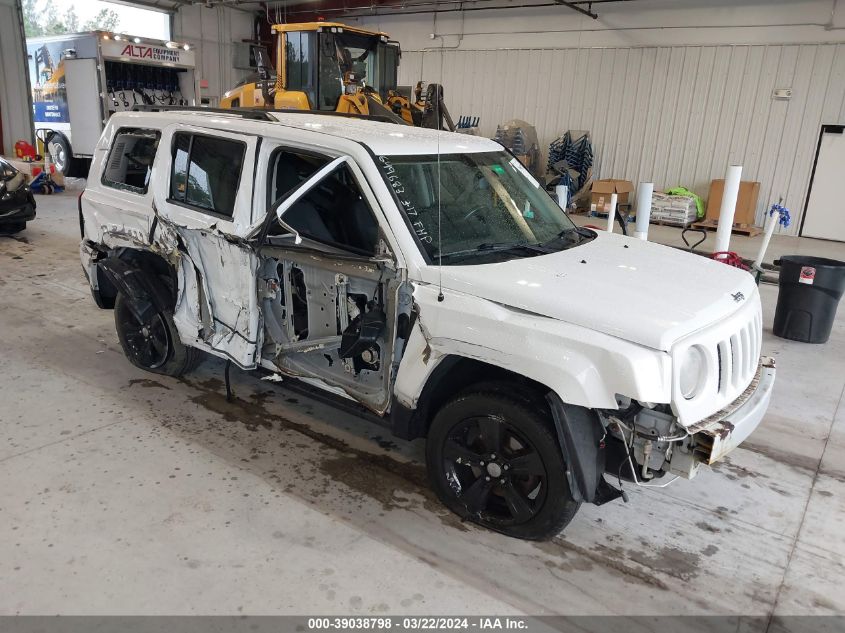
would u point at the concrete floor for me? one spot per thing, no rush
(127, 493)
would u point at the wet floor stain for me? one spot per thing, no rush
(568, 557)
(734, 471)
(800, 463)
(391, 483)
(147, 384)
(668, 560)
(710, 550)
(706, 527)
(351, 480)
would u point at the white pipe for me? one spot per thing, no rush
(562, 192)
(644, 193)
(771, 223)
(728, 209)
(611, 215)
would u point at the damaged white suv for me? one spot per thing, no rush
(428, 277)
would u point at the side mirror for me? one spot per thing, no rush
(281, 206)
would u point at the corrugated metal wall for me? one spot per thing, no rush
(214, 31)
(671, 115)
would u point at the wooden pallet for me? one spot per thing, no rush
(747, 230)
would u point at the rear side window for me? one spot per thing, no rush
(130, 162)
(206, 171)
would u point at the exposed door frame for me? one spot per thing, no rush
(826, 129)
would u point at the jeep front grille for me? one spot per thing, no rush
(731, 348)
(737, 356)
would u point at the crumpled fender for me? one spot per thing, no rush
(583, 367)
(580, 433)
(145, 294)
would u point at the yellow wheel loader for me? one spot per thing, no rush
(332, 67)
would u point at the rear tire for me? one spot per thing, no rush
(154, 345)
(493, 459)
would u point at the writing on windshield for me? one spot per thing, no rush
(467, 203)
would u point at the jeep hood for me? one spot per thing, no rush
(638, 291)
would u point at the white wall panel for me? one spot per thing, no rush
(671, 91)
(214, 31)
(622, 24)
(15, 105)
(676, 115)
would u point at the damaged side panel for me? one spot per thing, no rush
(217, 301)
(215, 269)
(332, 319)
(216, 307)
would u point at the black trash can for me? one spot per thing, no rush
(808, 294)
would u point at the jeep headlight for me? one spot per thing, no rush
(692, 372)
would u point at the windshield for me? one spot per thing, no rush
(490, 207)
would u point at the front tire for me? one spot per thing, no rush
(493, 459)
(152, 344)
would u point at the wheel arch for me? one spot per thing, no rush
(452, 375)
(112, 268)
(578, 429)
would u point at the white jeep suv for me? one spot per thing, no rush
(429, 278)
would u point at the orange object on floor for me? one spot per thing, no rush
(25, 151)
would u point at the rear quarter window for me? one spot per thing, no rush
(130, 161)
(206, 172)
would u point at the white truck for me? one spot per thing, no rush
(79, 80)
(427, 277)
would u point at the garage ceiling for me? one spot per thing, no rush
(157, 5)
(307, 9)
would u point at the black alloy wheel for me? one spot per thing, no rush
(148, 340)
(494, 460)
(494, 470)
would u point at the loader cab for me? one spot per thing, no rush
(325, 60)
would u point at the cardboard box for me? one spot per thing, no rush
(32, 169)
(746, 201)
(602, 189)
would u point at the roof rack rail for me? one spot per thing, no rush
(259, 114)
(246, 113)
(347, 115)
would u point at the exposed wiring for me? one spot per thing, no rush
(656, 438)
(443, 46)
(637, 482)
